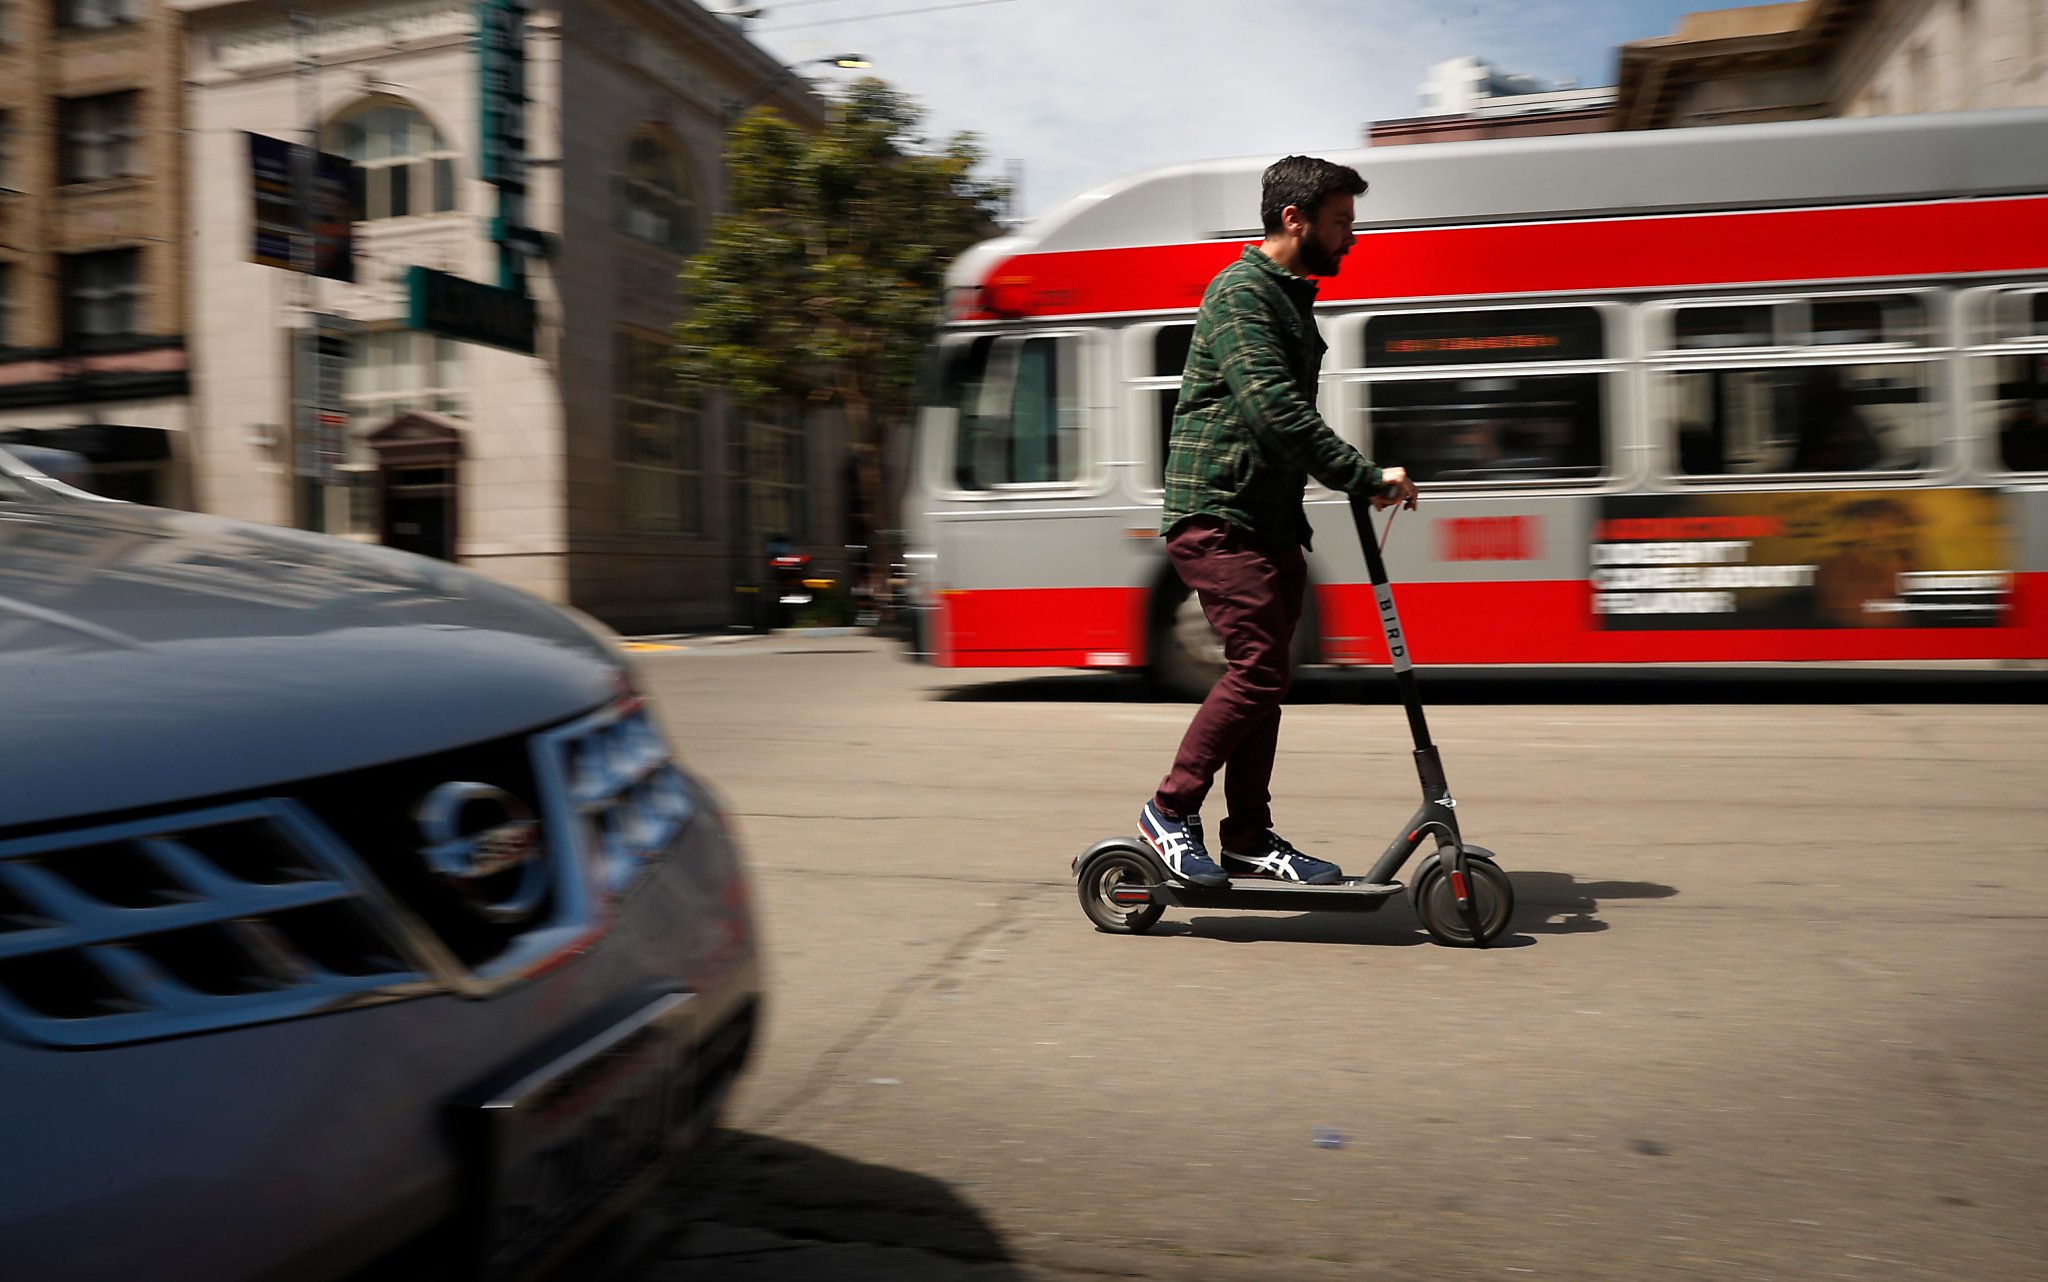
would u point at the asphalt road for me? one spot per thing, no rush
(1773, 1005)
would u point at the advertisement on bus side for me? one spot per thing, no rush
(1813, 559)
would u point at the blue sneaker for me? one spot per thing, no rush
(1272, 857)
(1179, 845)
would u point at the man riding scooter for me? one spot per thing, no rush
(1246, 436)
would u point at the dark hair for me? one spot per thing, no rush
(1303, 182)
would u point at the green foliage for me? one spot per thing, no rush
(822, 282)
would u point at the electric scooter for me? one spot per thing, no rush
(1461, 895)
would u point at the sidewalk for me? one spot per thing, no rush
(670, 641)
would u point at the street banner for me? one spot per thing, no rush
(1806, 560)
(334, 196)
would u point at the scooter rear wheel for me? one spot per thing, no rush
(1102, 875)
(1493, 898)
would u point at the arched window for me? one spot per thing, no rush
(657, 202)
(408, 168)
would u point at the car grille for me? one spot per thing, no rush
(270, 907)
(191, 922)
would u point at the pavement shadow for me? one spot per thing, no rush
(1557, 903)
(759, 1206)
(1546, 903)
(1481, 687)
(1391, 927)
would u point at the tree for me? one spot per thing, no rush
(821, 284)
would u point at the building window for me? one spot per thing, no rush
(780, 479)
(86, 15)
(97, 138)
(102, 296)
(660, 446)
(656, 202)
(392, 371)
(408, 168)
(1920, 75)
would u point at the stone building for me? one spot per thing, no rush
(1467, 98)
(93, 353)
(1836, 58)
(574, 472)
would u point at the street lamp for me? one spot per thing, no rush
(846, 61)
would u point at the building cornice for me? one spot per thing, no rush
(1651, 71)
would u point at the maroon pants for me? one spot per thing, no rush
(1253, 597)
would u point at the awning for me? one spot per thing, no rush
(98, 442)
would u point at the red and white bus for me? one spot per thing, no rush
(1753, 393)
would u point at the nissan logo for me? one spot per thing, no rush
(485, 844)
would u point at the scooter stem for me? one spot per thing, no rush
(1390, 626)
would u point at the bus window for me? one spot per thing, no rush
(1697, 328)
(2021, 315)
(1022, 425)
(951, 377)
(1891, 320)
(1170, 349)
(1164, 401)
(1831, 320)
(1541, 420)
(1775, 420)
(1782, 413)
(1158, 357)
(1038, 417)
(1521, 427)
(2012, 381)
(955, 383)
(2019, 401)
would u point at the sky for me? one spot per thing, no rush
(1081, 92)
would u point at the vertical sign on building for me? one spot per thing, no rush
(501, 84)
(468, 310)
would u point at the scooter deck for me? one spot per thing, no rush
(1352, 894)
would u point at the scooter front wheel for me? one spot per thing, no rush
(1099, 879)
(1493, 902)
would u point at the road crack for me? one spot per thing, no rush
(826, 1068)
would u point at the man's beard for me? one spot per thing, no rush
(1318, 261)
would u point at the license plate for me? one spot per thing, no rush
(558, 1141)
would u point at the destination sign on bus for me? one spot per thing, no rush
(1474, 343)
(1480, 337)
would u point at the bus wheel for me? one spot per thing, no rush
(1187, 655)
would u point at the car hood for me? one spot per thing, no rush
(149, 656)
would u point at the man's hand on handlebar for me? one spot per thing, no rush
(1395, 487)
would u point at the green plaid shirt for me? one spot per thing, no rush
(1246, 434)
